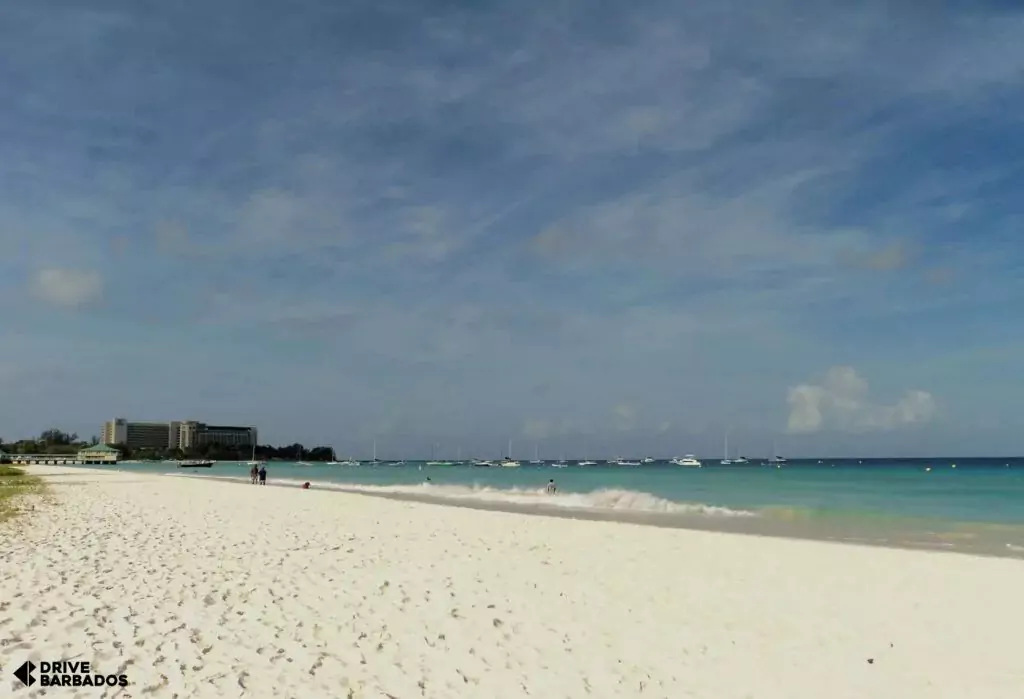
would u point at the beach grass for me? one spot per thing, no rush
(15, 484)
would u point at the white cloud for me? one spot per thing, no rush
(841, 402)
(68, 288)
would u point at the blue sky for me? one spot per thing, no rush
(623, 227)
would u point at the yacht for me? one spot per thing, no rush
(195, 463)
(647, 460)
(482, 463)
(726, 461)
(740, 460)
(586, 463)
(688, 460)
(508, 461)
(624, 462)
(559, 464)
(776, 460)
(434, 461)
(536, 456)
(348, 462)
(374, 461)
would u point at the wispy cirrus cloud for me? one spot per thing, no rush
(582, 206)
(68, 287)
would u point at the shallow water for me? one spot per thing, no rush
(976, 506)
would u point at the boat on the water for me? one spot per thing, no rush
(688, 460)
(197, 463)
(508, 461)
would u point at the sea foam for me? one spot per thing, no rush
(603, 500)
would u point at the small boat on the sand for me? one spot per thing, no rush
(195, 464)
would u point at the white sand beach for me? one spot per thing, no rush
(212, 589)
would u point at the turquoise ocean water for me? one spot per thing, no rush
(974, 505)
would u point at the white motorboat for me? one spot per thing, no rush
(195, 463)
(688, 460)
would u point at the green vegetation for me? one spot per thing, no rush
(218, 452)
(14, 483)
(51, 441)
(55, 441)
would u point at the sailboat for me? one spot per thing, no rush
(585, 461)
(375, 460)
(725, 453)
(300, 462)
(508, 461)
(433, 461)
(254, 462)
(334, 458)
(536, 455)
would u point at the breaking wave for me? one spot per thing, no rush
(604, 500)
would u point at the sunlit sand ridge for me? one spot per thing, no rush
(201, 588)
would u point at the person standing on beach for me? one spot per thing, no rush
(551, 489)
(263, 475)
(254, 473)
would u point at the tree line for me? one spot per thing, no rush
(55, 441)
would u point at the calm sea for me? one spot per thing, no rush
(974, 505)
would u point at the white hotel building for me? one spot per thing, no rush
(178, 434)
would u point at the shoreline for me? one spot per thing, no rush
(955, 541)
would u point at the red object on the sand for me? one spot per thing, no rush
(305, 485)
